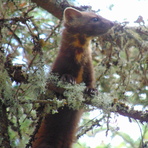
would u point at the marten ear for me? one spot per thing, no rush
(70, 14)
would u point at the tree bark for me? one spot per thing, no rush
(55, 7)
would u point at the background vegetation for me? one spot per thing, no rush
(29, 42)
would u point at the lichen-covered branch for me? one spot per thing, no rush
(118, 107)
(113, 105)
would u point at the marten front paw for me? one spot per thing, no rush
(68, 78)
(91, 91)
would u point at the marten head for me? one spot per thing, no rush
(87, 23)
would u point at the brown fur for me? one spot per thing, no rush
(74, 58)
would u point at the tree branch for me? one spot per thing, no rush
(124, 110)
(116, 106)
(55, 7)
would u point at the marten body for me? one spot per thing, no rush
(73, 62)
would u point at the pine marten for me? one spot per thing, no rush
(73, 63)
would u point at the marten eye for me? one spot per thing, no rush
(95, 19)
